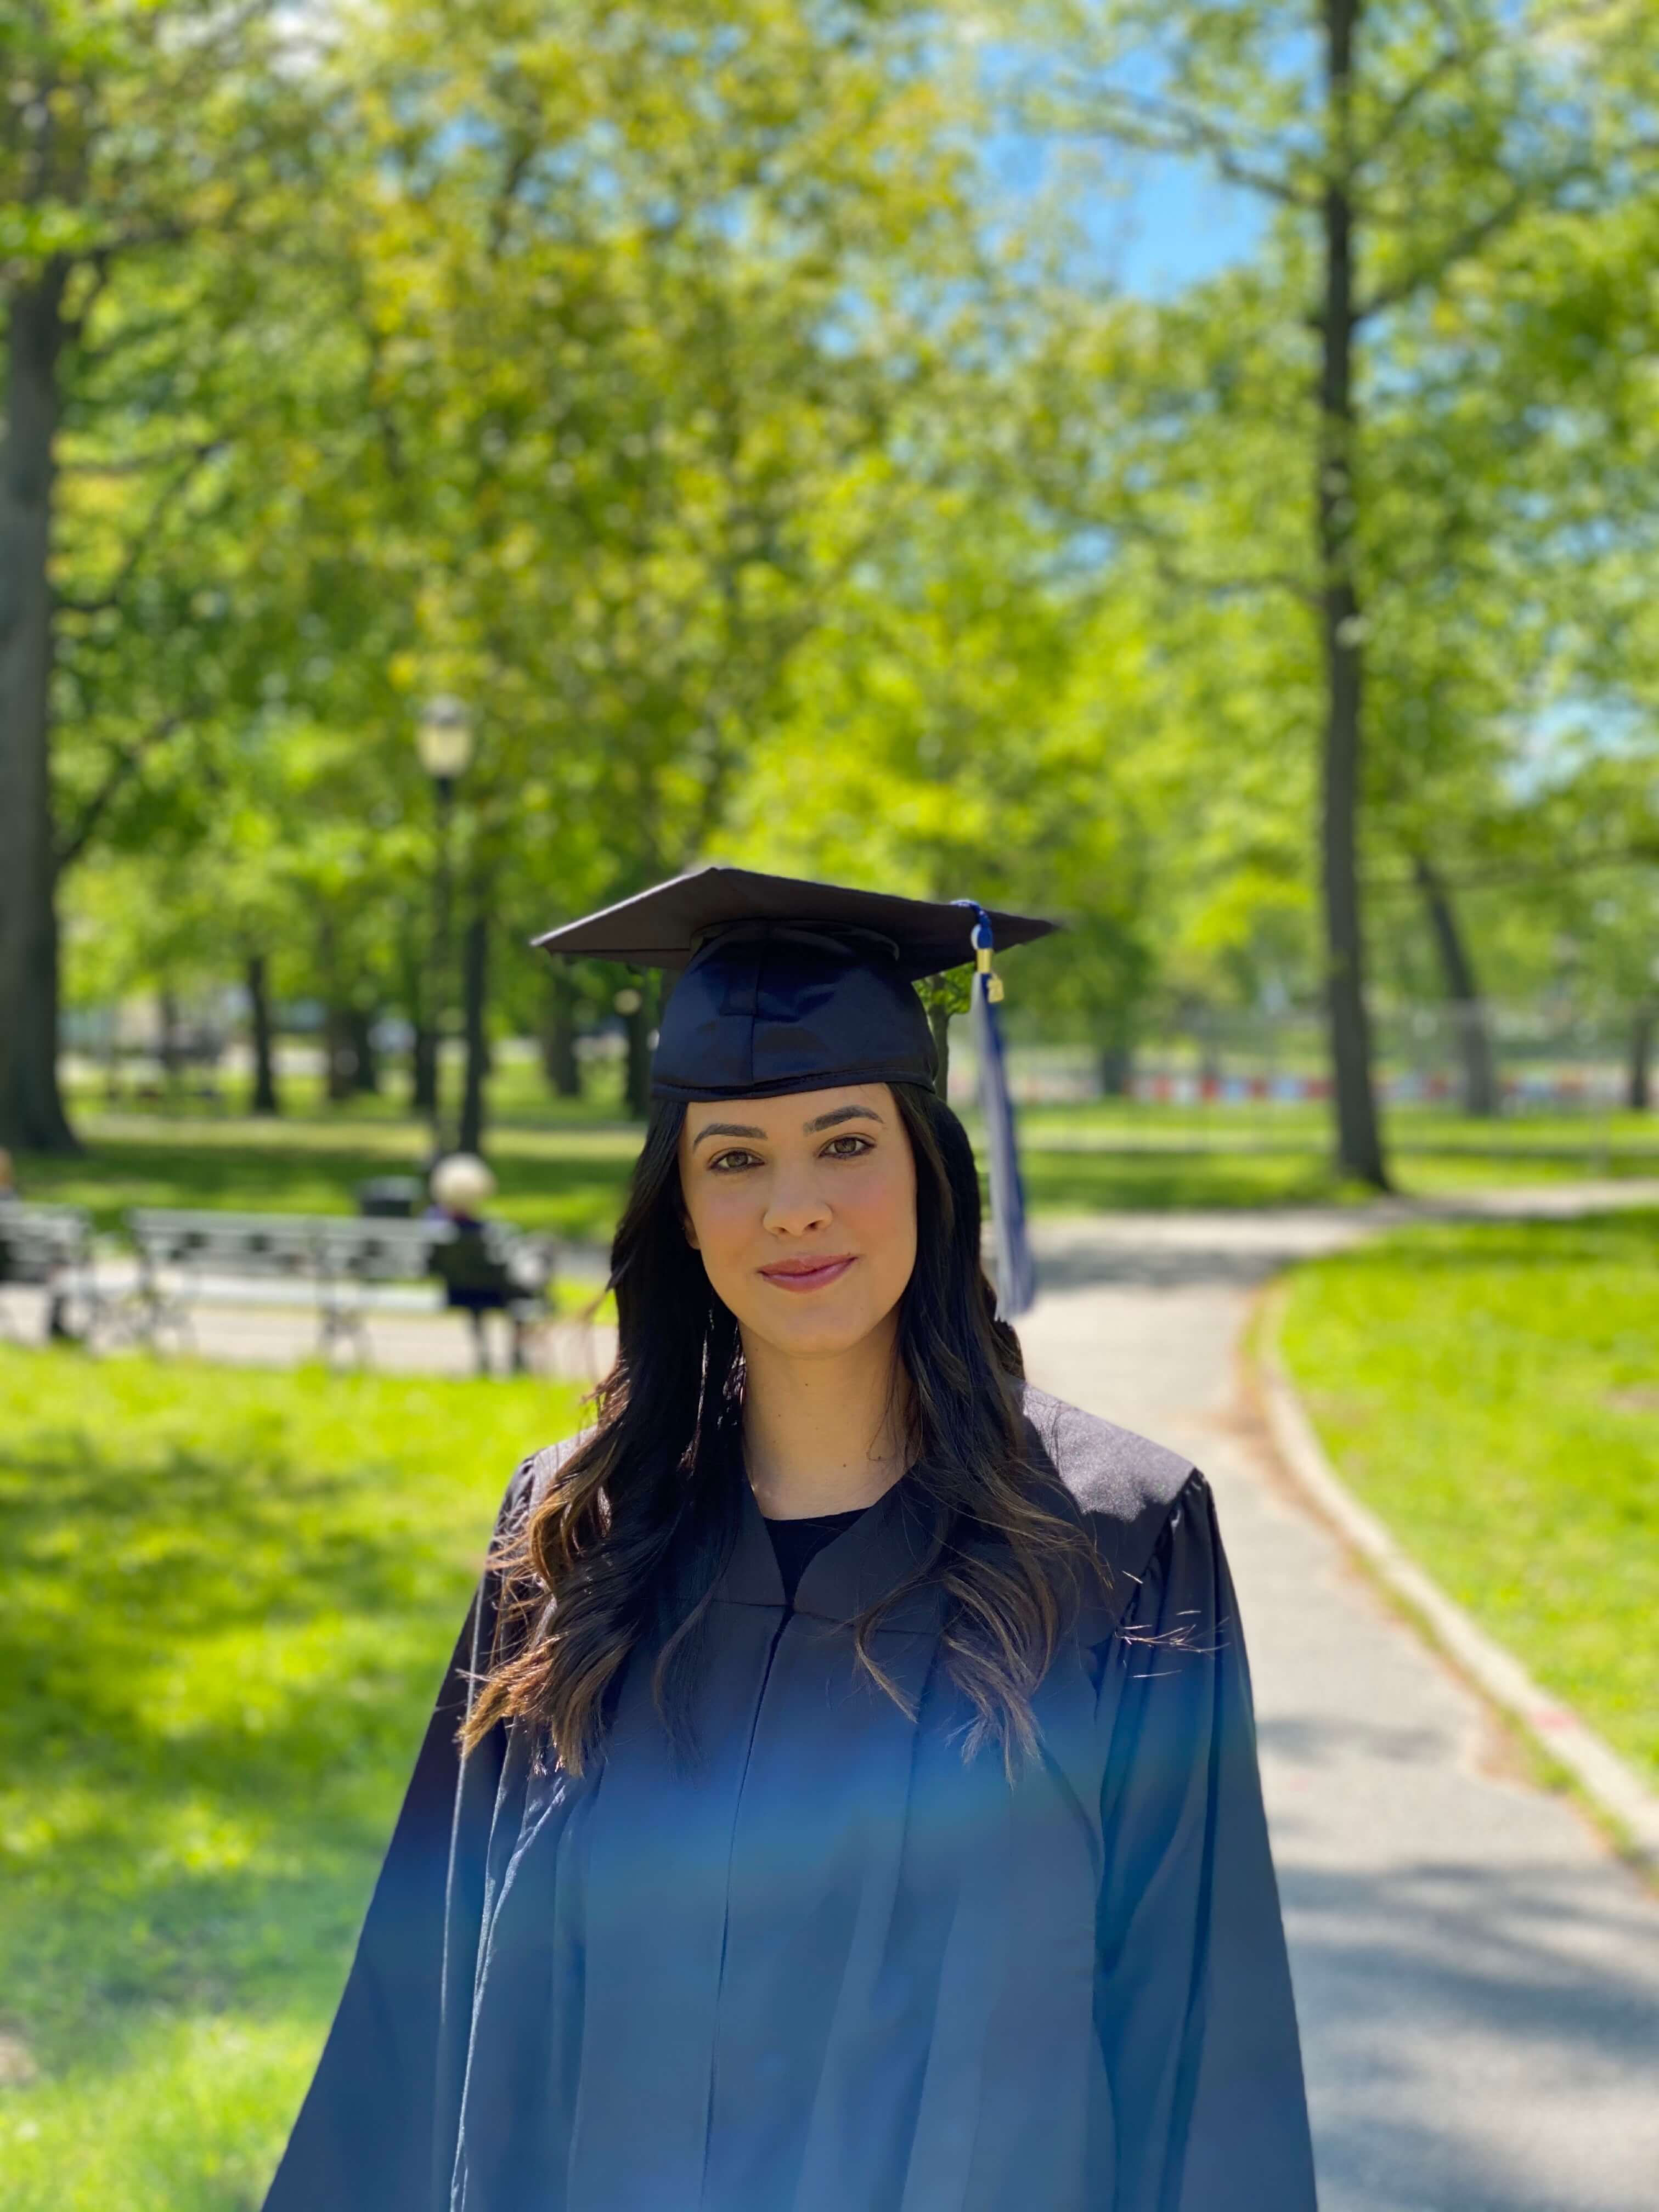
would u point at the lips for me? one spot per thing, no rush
(809, 1274)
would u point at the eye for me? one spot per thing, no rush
(834, 1150)
(732, 1162)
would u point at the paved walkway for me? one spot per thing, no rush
(405, 1329)
(1478, 1979)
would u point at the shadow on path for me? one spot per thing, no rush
(1160, 1268)
(1530, 1973)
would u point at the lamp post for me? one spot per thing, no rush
(443, 738)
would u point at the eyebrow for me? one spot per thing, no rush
(726, 1129)
(829, 1120)
(839, 1114)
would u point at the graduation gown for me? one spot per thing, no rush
(829, 1966)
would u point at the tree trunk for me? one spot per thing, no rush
(266, 1099)
(939, 1021)
(1116, 1070)
(170, 1053)
(1359, 1137)
(1639, 1092)
(413, 955)
(1481, 1096)
(422, 1068)
(443, 906)
(1209, 1046)
(559, 1061)
(366, 1061)
(637, 1076)
(474, 979)
(340, 1060)
(32, 1114)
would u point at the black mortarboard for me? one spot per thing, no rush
(785, 985)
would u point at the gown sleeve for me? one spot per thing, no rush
(376, 2132)
(1192, 1993)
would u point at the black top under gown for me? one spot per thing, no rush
(796, 1544)
(829, 1966)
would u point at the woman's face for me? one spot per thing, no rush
(804, 1209)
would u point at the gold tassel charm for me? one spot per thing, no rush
(993, 981)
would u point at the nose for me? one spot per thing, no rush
(796, 1204)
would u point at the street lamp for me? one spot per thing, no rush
(443, 738)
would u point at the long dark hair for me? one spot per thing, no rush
(626, 1544)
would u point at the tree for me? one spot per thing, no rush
(633, 372)
(134, 142)
(1393, 143)
(944, 732)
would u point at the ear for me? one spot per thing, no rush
(690, 1233)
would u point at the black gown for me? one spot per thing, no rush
(831, 1967)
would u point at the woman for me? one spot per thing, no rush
(854, 1807)
(476, 1279)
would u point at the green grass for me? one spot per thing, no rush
(569, 1180)
(1153, 1180)
(1493, 1393)
(1305, 1124)
(519, 1094)
(228, 1598)
(568, 1176)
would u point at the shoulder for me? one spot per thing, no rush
(532, 1476)
(1125, 1486)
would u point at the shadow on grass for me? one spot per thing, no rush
(576, 1196)
(1155, 1181)
(221, 1675)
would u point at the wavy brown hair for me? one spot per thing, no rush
(624, 1547)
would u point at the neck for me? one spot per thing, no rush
(824, 1435)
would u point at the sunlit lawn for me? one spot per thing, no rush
(1494, 1392)
(1305, 1123)
(568, 1174)
(569, 1181)
(227, 1600)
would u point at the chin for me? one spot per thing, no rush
(820, 1335)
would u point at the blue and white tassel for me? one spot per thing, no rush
(1014, 1270)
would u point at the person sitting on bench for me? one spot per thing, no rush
(476, 1280)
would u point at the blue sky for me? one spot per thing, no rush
(1178, 223)
(1158, 221)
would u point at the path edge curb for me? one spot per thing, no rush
(1606, 1778)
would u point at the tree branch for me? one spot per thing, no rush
(1523, 194)
(136, 465)
(1398, 110)
(1193, 583)
(1161, 126)
(140, 543)
(133, 334)
(126, 763)
(1639, 853)
(500, 214)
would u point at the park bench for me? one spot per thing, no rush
(346, 1266)
(50, 1247)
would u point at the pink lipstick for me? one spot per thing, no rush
(809, 1274)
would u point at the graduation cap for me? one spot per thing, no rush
(784, 985)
